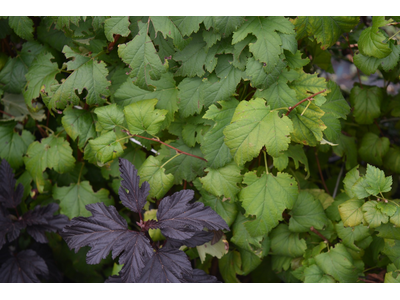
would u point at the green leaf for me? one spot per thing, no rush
(13, 73)
(214, 148)
(224, 25)
(258, 76)
(53, 153)
(193, 58)
(326, 30)
(223, 207)
(40, 77)
(183, 167)
(142, 117)
(313, 274)
(373, 148)
(392, 250)
(335, 103)
(187, 25)
(253, 125)
(307, 212)
(351, 212)
(116, 25)
(88, 74)
(106, 147)
(223, 181)
(389, 62)
(14, 145)
(354, 184)
(75, 197)
(388, 231)
(165, 91)
(79, 124)
(347, 147)
(373, 215)
(392, 160)
(278, 95)
(22, 26)
(108, 117)
(295, 61)
(142, 57)
(338, 263)
(377, 181)
(366, 102)
(169, 29)
(371, 40)
(190, 101)
(367, 64)
(350, 235)
(14, 104)
(305, 84)
(266, 198)
(268, 46)
(152, 172)
(243, 239)
(309, 126)
(286, 243)
(229, 266)
(250, 261)
(332, 211)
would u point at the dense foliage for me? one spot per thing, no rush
(245, 113)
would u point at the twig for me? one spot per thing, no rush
(319, 234)
(320, 172)
(338, 182)
(352, 54)
(3, 112)
(377, 125)
(304, 100)
(159, 141)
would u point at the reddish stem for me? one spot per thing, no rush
(320, 172)
(3, 112)
(176, 149)
(319, 234)
(302, 101)
(184, 184)
(42, 132)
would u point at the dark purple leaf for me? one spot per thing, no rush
(9, 227)
(166, 265)
(180, 219)
(198, 239)
(217, 236)
(135, 198)
(199, 276)
(137, 251)
(9, 196)
(107, 231)
(41, 219)
(23, 268)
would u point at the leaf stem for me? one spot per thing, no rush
(319, 234)
(177, 154)
(159, 141)
(304, 100)
(320, 172)
(394, 35)
(3, 112)
(265, 160)
(80, 173)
